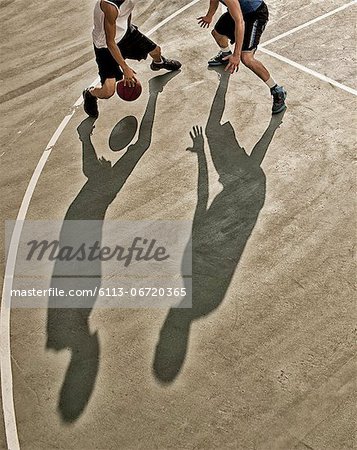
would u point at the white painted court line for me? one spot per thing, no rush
(11, 432)
(309, 71)
(307, 24)
(5, 354)
(175, 14)
(300, 66)
(5, 307)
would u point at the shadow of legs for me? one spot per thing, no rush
(171, 348)
(79, 381)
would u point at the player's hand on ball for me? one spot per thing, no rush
(204, 21)
(129, 77)
(197, 139)
(233, 64)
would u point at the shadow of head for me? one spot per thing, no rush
(123, 133)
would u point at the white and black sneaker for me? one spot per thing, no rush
(218, 59)
(90, 104)
(167, 64)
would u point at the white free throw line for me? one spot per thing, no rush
(309, 71)
(306, 24)
(7, 393)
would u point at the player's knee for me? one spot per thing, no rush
(214, 33)
(247, 59)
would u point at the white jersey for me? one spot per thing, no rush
(125, 8)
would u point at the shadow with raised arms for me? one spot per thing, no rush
(220, 231)
(68, 325)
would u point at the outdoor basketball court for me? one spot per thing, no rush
(269, 361)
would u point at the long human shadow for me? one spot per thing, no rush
(220, 231)
(68, 324)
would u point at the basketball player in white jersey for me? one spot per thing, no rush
(243, 26)
(116, 39)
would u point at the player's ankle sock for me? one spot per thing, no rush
(271, 83)
(225, 49)
(159, 62)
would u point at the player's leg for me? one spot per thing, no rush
(156, 55)
(222, 33)
(160, 62)
(109, 73)
(106, 90)
(255, 24)
(91, 95)
(249, 60)
(221, 40)
(137, 46)
(278, 92)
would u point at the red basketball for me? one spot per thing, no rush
(127, 93)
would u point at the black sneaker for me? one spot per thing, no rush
(168, 64)
(218, 59)
(90, 104)
(279, 95)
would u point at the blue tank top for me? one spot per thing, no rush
(247, 6)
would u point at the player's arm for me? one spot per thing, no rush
(237, 15)
(205, 21)
(110, 17)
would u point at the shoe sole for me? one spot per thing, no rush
(216, 64)
(156, 69)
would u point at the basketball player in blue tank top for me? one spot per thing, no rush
(242, 25)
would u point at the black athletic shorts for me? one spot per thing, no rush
(255, 23)
(134, 45)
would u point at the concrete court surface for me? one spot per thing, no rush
(269, 362)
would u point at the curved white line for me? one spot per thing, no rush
(5, 307)
(12, 438)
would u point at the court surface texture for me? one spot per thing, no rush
(265, 359)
